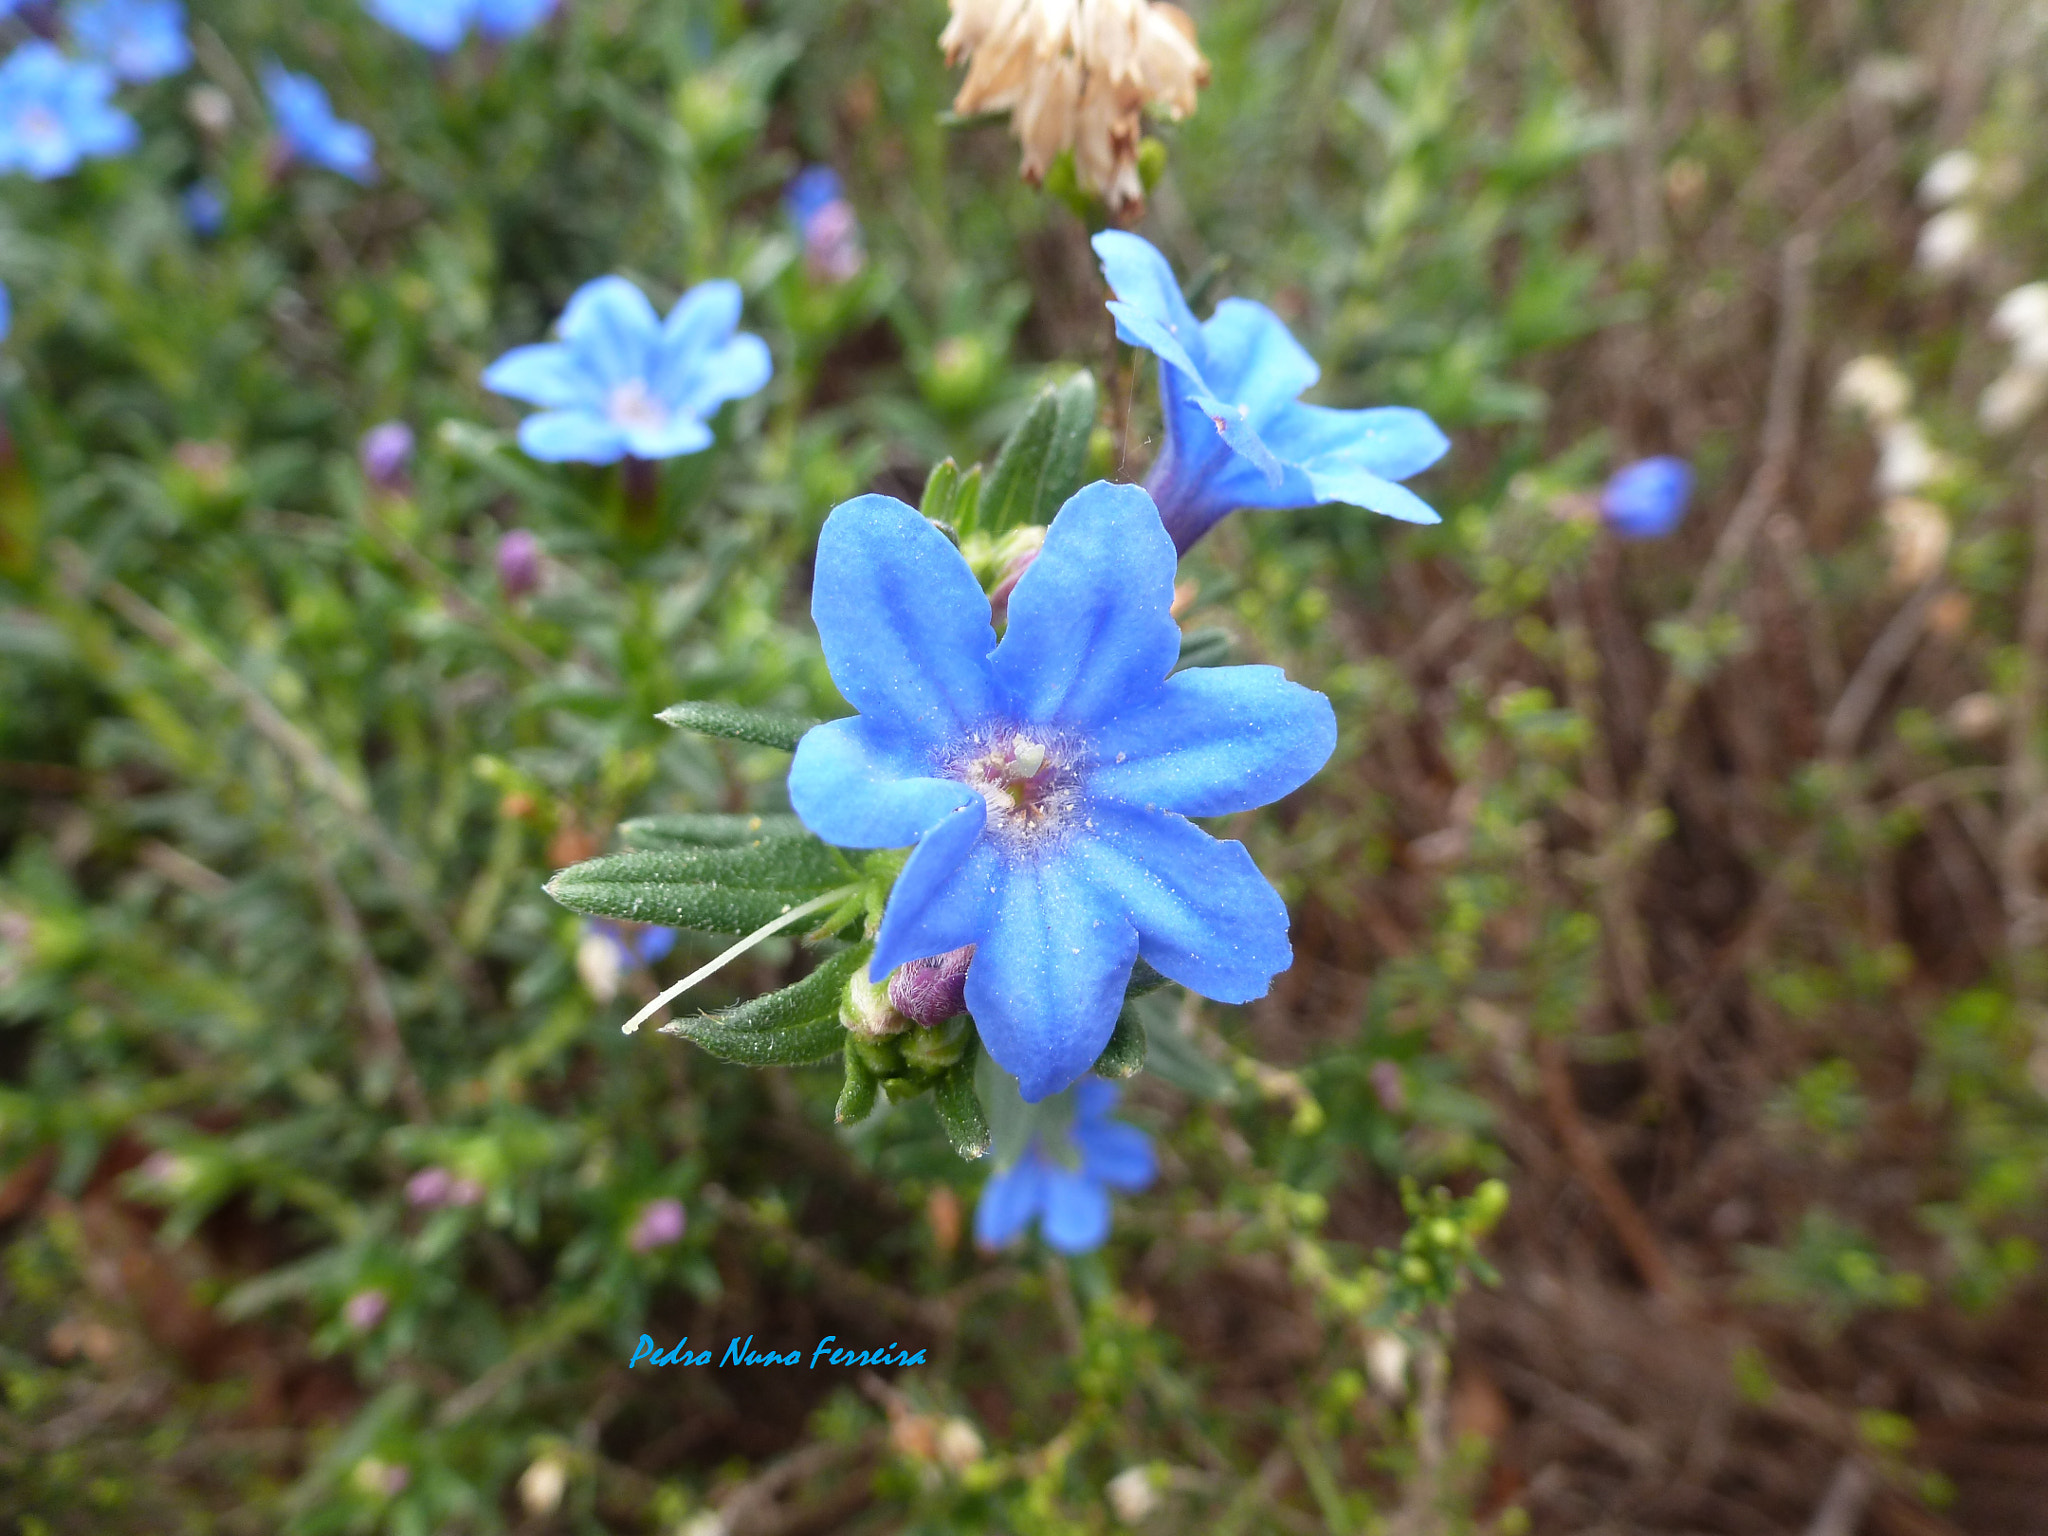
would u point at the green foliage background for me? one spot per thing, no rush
(1618, 887)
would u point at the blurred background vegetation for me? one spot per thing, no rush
(1694, 886)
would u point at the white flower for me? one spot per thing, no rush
(958, 1444)
(1919, 536)
(1874, 387)
(1906, 460)
(1952, 176)
(1132, 1494)
(1386, 1365)
(2022, 319)
(599, 962)
(1949, 242)
(2011, 398)
(542, 1484)
(1077, 75)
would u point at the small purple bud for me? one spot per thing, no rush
(931, 991)
(386, 454)
(1647, 499)
(661, 1222)
(1388, 1087)
(833, 250)
(518, 563)
(365, 1310)
(429, 1187)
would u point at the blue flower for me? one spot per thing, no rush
(1047, 781)
(138, 39)
(817, 205)
(6, 312)
(1069, 1193)
(1647, 499)
(54, 113)
(206, 208)
(623, 381)
(440, 24)
(1236, 436)
(310, 130)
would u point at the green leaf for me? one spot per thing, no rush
(1171, 1055)
(1124, 1056)
(1205, 647)
(941, 488)
(967, 503)
(795, 1045)
(960, 1110)
(703, 830)
(1042, 462)
(714, 890)
(816, 997)
(761, 727)
(857, 1095)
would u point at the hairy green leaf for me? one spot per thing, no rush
(761, 727)
(1124, 1056)
(792, 1045)
(1041, 463)
(857, 1094)
(702, 830)
(960, 1110)
(802, 1002)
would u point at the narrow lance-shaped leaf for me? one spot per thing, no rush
(790, 1027)
(857, 1093)
(713, 890)
(1041, 463)
(760, 727)
(959, 1108)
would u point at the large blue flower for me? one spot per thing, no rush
(1047, 781)
(138, 39)
(55, 113)
(1236, 435)
(624, 381)
(1068, 1190)
(309, 129)
(440, 24)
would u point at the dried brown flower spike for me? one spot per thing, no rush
(1077, 75)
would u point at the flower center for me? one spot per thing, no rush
(633, 405)
(42, 124)
(1029, 786)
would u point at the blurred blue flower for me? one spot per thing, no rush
(206, 209)
(440, 24)
(55, 113)
(1047, 781)
(817, 205)
(308, 128)
(623, 381)
(1647, 499)
(1068, 1190)
(1236, 435)
(138, 39)
(6, 312)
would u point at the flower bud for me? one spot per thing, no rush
(429, 1187)
(2021, 314)
(1133, 1495)
(1389, 1087)
(1919, 539)
(386, 454)
(1386, 1365)
(2010, 399)
(365, 1310)
(1951, 176)
(959, 1445)
(1949, 242)
(1874, 387)
(1906, 460)
(865, 1009)
(599, 962)
(518, 563)
(211, 109)
(931, 991)
(206, 209)
(379, 1479)
(661, 1222)
(541, 1485)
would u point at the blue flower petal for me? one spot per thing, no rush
(940, 902)
(680, 434)
(1361, 488)
(613, 329)
(547, 374)
(904, 624)
(858, 786)
(1093, 1098)
(1214, 741)
(1255, 360)
(738, 368)
(1205, 916)
(1149, 301)
(1091, 621)
(1391, 441)
(500, 19)
(1048, 977)
(1009, 1201)
(701, 318)
(435, 24)
(581, 437)
(1076, 1218)
(1116, 1154)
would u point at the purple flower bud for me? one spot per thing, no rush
(386, 454)
(1647, 499)
(365, 1310)
(429, 1187)
(931, 991)
(661, 1222)
(833, 250)
(518, 563)
(1388, 1087)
